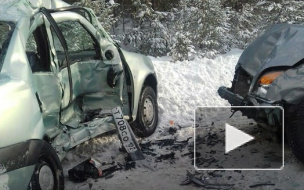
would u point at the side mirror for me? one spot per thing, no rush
(109, 54)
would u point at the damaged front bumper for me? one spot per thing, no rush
(269, 116)
(248, 100)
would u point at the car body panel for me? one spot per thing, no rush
(139, 74)
(49, 93)
(20, 114)
(288, 86)
(16, 179)
(17, 163)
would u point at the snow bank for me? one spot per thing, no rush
(182, 86)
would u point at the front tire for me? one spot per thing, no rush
(147, 114)
(295, 131)
(48, 174)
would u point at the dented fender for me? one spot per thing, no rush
(141, 67)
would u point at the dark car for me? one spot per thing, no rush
(270, 72)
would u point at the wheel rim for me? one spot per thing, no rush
(148, 115)
(46, 178)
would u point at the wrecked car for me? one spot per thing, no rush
(61, 77)
(270, 72)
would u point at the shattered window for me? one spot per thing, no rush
(6, 30)
(77, 38)
(82, 46)
(31, 44)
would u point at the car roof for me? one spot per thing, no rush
(13, 10)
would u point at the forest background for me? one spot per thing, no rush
(185, 29)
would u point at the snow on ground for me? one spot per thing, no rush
(185, 85)
(182, 86)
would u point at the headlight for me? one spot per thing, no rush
(265, 81)
(268, 78)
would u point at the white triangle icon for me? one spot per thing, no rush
(235, 138)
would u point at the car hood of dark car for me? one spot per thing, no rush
(280, 45)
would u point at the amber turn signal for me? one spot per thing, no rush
(269, 77)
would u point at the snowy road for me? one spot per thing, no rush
(182, 87)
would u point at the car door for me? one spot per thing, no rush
(96, 69)
(46, 82)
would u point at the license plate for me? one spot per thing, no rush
(123, 128)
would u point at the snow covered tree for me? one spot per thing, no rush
(146, 33)
(158, 27)
(182, 47)
(255, 16)
(103, 10)
(206, 21)
(246, 25)
(284, 12)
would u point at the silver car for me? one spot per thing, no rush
(61, 75)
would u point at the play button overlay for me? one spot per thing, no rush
(239, 138)
(235, 138)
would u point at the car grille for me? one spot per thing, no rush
(241, 82)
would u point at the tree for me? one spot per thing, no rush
(104, 10)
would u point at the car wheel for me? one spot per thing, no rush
(147, 114)
(295, 131)
(48, 174)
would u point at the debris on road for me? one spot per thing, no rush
(165, 157)
(91, 168)
(201, 182)
(204, 161)
(164, 142)
(172, 130)
(212, 139)
(214, 174)
(84, 170)
(108, 173)
(262, 184)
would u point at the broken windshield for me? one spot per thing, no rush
(6, 29)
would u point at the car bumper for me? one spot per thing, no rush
(249, 100)
(270, 116)
(233, 99)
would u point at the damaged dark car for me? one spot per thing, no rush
(270, 72)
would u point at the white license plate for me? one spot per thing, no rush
(124, 130)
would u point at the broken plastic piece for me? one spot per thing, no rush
(192, 179)
(165, 157)
(262, 184)
(84, 170)
(172, 130)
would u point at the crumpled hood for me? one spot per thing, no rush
(280, 45)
